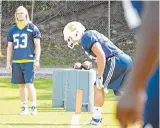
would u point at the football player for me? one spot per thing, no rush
(145, 73)
(113, 64)
(23, 55)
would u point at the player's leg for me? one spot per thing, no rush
(99, 95)
(111, 75)
(23, 93)
(18, 78)
(32, 97)
(24, 99)
(29, 76)
(98, 103)
(114, 73)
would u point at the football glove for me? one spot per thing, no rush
(77, 65)
(87, 65)
(99, 82)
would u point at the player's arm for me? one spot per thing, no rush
(9, 52)
(101, 60)
(9, 56)
(37, 49)
(37, 53)
(148, 48)
(146, 59)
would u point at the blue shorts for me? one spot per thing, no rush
(22, 73)
(116, 69)
(151, 111)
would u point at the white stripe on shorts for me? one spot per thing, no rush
(110, 73)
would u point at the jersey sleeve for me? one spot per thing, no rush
(88, 40)
(9, 36)
(36, 32)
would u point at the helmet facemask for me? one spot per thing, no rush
(73, 39)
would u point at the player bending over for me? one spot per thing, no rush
(113, 64)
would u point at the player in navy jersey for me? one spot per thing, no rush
(113, 64)
(145, 73)
(23, 53)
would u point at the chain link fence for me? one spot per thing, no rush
(52, 16)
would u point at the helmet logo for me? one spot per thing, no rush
(71, 27)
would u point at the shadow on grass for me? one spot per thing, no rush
(10, 98)
(39, 83)
(39, 97)
(48, 96)
(47, 107)
(50, 110)
(44, 96)
(3, 86)
(37, 86)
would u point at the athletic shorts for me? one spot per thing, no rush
(116, 69)
(22, 73)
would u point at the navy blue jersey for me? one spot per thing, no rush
(23, 41)
(133, 11)
(90, 37)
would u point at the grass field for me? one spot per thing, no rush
(47, 117)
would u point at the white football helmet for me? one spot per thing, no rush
(72, 33)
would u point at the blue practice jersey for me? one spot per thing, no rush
(138, 6)
(90, 37)
(23, 41)
(133, 12)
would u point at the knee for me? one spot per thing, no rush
(30, 86)
(21, 86)
(97, 90)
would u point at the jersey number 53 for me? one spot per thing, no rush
(16, 40)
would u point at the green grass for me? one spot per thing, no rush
(58, 117)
